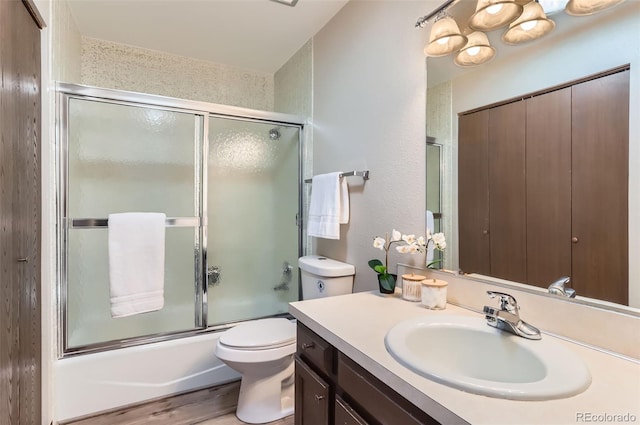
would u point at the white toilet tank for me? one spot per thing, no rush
(324, 277)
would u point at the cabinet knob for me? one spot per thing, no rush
(574, 239)
(319, 398)
(485, 232)
(23, 260)
(306, 346)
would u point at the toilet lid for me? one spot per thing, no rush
(260, 334)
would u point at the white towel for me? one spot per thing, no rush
(136, 262)
(329, 206)
(430, 228)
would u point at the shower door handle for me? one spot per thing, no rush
(213, 275)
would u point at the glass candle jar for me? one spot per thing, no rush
(434, 294)
(411, 287)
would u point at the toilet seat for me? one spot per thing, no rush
(263, 334)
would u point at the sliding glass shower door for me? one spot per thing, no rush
(128, 158)
(252, 232)
(228, 181)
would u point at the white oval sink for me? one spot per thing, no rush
(465, 353)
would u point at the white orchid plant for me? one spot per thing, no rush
(412, 245)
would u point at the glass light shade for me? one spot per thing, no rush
(492, 14)
(532, 24)
(445, 38)
(589, 7)
(476, 51)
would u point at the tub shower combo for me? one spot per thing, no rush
(228, 180)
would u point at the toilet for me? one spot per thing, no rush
(262, 350)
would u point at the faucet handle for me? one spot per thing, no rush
(507, 302)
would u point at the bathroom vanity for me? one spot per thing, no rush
(345, 374)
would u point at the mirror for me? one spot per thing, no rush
(578, 47)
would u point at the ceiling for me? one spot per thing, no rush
(260, 35)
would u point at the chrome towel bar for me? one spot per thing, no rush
(364, 174)
(92, 223)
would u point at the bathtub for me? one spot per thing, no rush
(92, 383)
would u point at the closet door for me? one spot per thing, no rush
(507, 196)
(20, 332)
(600, 164)
(548, 168)
(473, 192)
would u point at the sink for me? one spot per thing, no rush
(467, 354)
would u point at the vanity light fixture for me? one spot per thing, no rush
(493, 14)
(532, 24)
(589, 7)
(445, 37)
(476, 51)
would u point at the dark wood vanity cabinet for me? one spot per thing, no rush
(543, 188)
(333, 389)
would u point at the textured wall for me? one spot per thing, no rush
(118, 66)
(369, 113)
(65, 43)
(293, 94)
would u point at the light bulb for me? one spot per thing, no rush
(495, 8)
(529, 25)
(443, 40)
(472, 51)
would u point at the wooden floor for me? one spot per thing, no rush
(210, 406)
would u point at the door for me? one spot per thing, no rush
(600, 164)
(507, 199)
(252, 206)
(473, 192)
(20, 197)
(548, 153)
(312, 397)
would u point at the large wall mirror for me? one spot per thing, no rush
(578, 47)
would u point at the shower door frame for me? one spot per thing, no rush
(64, 93)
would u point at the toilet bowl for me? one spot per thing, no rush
(262, 352)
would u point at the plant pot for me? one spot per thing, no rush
(387, 283)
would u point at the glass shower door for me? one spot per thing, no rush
(252, 206)
(128, 158)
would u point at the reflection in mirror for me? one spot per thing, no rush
(434, 198)
(577, 48)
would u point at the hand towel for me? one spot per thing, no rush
(329, 206)
(430, 227)
(136, 262)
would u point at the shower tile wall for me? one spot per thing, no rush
(118, 66)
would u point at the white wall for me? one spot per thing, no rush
(369, 113)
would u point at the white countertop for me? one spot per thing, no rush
(356, 324)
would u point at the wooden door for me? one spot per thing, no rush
(20, 332)
(548, 169)
(311, 398)
(473, 192)
(507, 196)
(600, 167)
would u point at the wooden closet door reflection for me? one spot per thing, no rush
(548, 152)
(507, 198)
(473, 192)
(600, 166)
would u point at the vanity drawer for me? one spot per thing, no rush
(373, 399)
(345, 415)
(315, 350)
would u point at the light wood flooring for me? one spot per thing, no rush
(209, 406)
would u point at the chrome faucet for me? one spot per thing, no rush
(558, 288)
(507, 317)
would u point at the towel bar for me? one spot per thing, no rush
(93, 223)
(364, 174)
